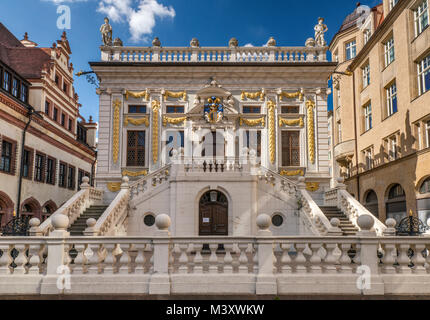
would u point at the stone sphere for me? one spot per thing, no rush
(91, 222)
(335, 222)
(162, 221)
(125, 179)
(85, 179)
(340, 180)
(34, 222)
(310, 42)
(264, 221)
(60, 221)
(365, 222)
(390, 223)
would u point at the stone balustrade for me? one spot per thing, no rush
(150, 181)
(264, 265)
(214, 54)
(75, 206)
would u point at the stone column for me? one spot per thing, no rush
(160, 279)
(57, 274)
(266, 281)
(368, 273)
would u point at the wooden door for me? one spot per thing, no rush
(213, 220)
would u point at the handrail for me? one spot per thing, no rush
(75, 206)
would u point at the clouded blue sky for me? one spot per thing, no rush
(175, 22)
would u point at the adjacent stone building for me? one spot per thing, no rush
(381, 115)
(39, 104)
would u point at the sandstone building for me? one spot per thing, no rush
(381, 114)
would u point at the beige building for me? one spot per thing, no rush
(381, 112)
(38, 103)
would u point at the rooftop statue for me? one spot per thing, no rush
(320, 29)
(106, 31)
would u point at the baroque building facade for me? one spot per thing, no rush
(381, 114)
(46, 146)
(201, 131)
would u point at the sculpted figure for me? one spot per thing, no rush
(320, 29)
(106, 31)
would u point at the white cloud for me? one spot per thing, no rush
(249, 45)
(64, 1)
(141, 19)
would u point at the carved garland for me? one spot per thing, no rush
(155, 112)
(116, 117)
(286, 173)
(253, 95)
(134, 174)
(171, 94)
(291, 122)
(167, 120)
(290, 95)
(135, 94)
(137, 122)
(310, 105)
(252, 122)
(272, 137)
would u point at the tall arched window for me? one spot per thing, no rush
(371, 202)
(6, 208)
(396, 203)
(423, 203)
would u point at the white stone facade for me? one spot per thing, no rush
(238, 85)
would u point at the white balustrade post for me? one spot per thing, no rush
(372, 283)
(266, 281)
(57, 272)
(155, 54)
(391, 230)
(160, 279)
(34, 228)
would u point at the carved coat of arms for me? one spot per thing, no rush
(214, 110)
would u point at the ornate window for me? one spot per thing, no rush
(135, 148)
(55, 114)
(27, 164)
(290, 148)
(290, 109)
(421, 15)
(137, 109)
(51, 166)
(175, 109)
(251, 109)
(425, 186)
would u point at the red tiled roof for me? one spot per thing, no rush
(27, 61)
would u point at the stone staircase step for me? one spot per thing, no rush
(80, 224)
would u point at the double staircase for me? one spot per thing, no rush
(78, 227)
(346, 225)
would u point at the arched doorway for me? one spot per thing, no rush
(6, 208)
(371, 202)
(396, 203)
(213, 214)
(31, 208)
(423, 201)
(48, 208)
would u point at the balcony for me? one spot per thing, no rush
(344, 150)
